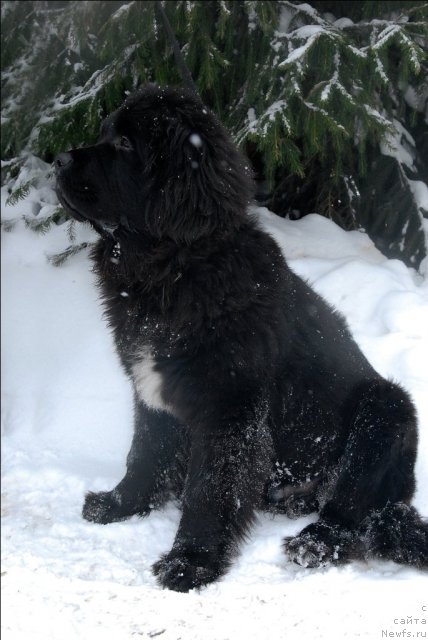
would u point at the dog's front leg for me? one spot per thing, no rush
(228, 467)
(155, 446)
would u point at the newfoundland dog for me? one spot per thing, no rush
(250, 392)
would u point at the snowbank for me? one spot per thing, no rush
(66, 423)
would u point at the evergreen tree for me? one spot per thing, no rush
(328, 99)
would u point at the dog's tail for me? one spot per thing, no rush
(398, 533)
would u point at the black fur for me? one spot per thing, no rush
(250, 391)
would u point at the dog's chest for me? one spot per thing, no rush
(148, 381)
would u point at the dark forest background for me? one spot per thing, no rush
(327, 99)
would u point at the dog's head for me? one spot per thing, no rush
(163, 166)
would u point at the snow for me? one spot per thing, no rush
(251, 115)
(298, 53)
(286, 15)
(123, 9)
(420, 193)
(343, 23)
(67, 424)
(395, 143)
(417, 99)
(308, 31)
(195, 140)
(334, 82)
(389, 31)
(270, 114)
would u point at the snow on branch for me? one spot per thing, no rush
(389, 32)
(374, 113)
(278, 107)
(335, 82)
(415, 54)
(306, 10)
(313, 107)
(311, 34)
(260, 125)
(123, 9)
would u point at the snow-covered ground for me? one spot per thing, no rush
(67, 420)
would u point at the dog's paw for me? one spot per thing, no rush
(308, 553)
(396, 532)
(319, 545)
(109, 506)
(180, 571)
(102, 507)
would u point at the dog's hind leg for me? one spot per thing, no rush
(156, 443)
(366, 511)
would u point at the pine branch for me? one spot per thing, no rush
(21, 192)
(43, 225)
(58, 259)
(71, 231)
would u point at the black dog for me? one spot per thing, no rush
(249, 389)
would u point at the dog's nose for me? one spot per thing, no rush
(63, 160)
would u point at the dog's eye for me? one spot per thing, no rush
(123, 143)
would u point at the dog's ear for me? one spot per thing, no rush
(202, 182)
